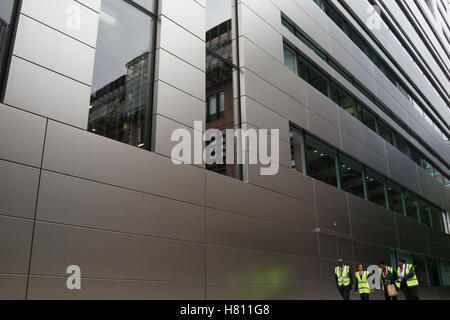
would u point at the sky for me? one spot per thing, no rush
(5, 9)
(217, 11)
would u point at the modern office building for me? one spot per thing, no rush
(92, 90)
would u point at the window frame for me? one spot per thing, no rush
(147, 132)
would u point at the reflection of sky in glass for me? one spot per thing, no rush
(5, 9)
(217, 11)
(124, 34)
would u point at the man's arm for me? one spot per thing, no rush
(410, 274)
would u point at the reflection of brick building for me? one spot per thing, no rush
(4, 33)
(219, 85)
(118, 109)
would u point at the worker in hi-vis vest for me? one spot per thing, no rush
(388, 276)
(407, 280)
(344, 279)
(362, 283)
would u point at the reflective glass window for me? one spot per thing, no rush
(411, 205)
(297, 150)
(425, 212)
(7, 12)
(120, 99)
(395, 198)
(342, 98)
(321, 161)
(290, 59)
(351, 176)
(375, 188)
(384, 131)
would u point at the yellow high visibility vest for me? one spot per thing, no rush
(363, 284)
(344, 278)
(388, 269)
(413, 282)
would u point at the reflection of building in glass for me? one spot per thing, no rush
(118, 110)
(219, 85)
(4, 34)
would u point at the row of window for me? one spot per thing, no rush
(325, 163)
(374, 57)
(329, 88)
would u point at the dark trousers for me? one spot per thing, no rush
(345, 292)
(364, 296)
(411, 293)
(386, 295)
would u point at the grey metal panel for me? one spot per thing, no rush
(46, 93)
(103, 254)
(262, 117)
(406, 224)
(231, 230)
(260, 268)
(259, 32)
(358, 131)
(12, 287)
(371, 254)
(322, 105)
(15, 244)
(330, 292)
(438, 243)
(21, 136)
(324, 129)
(18, 189)
(331, 205)
(53, 50)
(176, 72)
(286, 181)
(364, 154)
(82, 154)
(257, 202)
(443, 293)
(182, 43)
(268, 95)
(52, 288)
(177, 105)
(369, 211)
(333, 248)
(162, 134)
(79, 202)
(188, 14)
(373, 233)
(410, 242)
(54, 14)
(328, 247)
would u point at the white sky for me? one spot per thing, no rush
(5, 9)
(217, 11)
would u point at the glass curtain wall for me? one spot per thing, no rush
(222, 78)
(323, 162)
(8, 9)
(120, 106)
